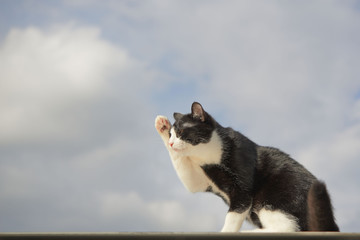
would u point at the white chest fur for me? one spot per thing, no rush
(188, 161)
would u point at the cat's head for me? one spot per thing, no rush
(191, 129)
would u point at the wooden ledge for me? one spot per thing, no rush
(178, 235)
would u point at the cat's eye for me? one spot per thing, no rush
(180, 131)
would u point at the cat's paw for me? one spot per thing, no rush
(162, 124)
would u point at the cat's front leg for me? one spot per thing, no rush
(234, 221)
(162, 125)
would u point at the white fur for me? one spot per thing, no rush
(201, 154)
(276, 221)
(233, 221)
(188, 125)
(188, 159)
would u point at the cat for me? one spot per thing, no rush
(261, 184)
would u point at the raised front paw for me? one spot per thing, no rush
(162, 124)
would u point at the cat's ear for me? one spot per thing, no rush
(197, 111)
(177, 116)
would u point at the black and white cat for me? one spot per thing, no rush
(260, 184)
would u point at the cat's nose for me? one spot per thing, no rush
(171, 144)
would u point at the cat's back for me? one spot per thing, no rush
(272, 161)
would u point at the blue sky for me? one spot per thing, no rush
(81, 83)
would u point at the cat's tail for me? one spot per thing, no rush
(320, 210)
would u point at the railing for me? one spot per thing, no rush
(179, 236)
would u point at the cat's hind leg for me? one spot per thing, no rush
(162, 125)
(276, 221)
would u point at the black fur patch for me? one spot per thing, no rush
(320, 210)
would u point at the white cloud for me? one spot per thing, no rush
(334, 156)
(49, 79)
(167, 215)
